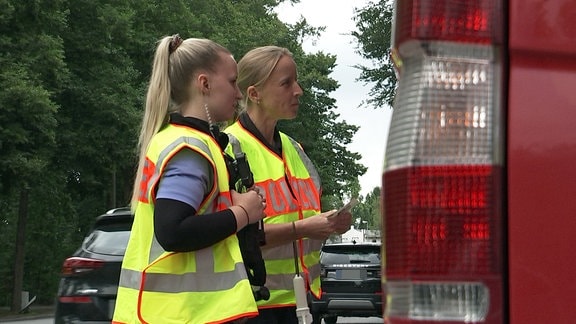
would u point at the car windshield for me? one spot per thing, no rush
(111, 240)
(350, 254)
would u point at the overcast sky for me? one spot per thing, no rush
(336, 16)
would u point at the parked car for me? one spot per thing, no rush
(350, 281)
(89, 279)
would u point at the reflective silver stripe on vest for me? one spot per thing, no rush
(285, 281)
(192, 141)
(307, 163)
(202, 281)
(286, 251)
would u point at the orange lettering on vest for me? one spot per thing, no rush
(275, 199)
(147, 173)
(279, 198)
(307, 193)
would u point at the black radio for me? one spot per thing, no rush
(252, 236)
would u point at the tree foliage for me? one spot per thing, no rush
(73, 76)
(33, 73)
(367, 212)
(374, 23)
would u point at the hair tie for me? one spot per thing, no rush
(174, 43)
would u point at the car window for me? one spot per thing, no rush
(334, 258)
(351, 254)
(111, 240)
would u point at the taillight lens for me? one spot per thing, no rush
(444, 220)
(75, 299)
(448, 20)
(77, 266)
(443, 165)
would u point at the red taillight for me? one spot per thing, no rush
(77, 265)
(441, 220)
(447, 20)
(443, 165)
(75, 299)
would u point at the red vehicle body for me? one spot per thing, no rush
(479, 182)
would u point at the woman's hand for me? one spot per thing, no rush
(321, 226)
(251, 202)
(342, 221)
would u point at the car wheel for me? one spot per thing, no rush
(330, 320)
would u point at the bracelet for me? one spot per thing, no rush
(246, 212)
(294, 230)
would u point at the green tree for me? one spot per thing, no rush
(73, 76)
(32, 74)
(374, 23)
(100, 107)
(367, 212)
(373, 34)
(373, 202)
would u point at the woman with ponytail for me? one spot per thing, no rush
(183, 263)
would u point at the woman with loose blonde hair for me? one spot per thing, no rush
(294, 226)
(183, 263)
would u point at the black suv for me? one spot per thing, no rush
(89, 279)
(351, 284)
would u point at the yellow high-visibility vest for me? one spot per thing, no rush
(279, 177)
(205, 286)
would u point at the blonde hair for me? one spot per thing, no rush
(255, 68)
(176, 63)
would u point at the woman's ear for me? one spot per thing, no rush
(253, 94)
(203, 84)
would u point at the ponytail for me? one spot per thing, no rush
(156, 111)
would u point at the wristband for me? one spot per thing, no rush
(245, 212)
